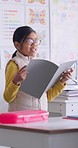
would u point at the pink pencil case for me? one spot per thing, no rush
(23, 116)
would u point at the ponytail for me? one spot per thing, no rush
(14, 54)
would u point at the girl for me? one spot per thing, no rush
(26, 41)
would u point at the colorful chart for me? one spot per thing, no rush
(32, 1)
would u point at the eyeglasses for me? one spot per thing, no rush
(31, 41)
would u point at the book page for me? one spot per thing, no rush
(40, 73)
(63, 67)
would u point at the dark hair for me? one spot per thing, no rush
(20, 34)
(14, 54)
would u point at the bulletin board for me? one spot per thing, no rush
(15, 13)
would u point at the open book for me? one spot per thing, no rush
(42, 75)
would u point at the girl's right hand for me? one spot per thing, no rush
(20, 76)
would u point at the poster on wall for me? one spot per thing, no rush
(43, 49)
(11, 17)
(37, 2)
(12, 1)
(37, 17)
(64, 30)
(6, 55)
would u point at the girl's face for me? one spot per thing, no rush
(29, 46)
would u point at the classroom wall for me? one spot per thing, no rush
(3, 104)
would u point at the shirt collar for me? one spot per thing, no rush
(22, 56)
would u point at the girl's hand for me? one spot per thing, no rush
(66, 76)
(20, 76)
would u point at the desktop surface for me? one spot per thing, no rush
(52, 125)
(56, 132)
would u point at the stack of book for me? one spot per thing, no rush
(71, 117)
(69, 94)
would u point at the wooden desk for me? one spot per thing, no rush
(55, 133)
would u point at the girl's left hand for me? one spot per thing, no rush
(66, 76)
